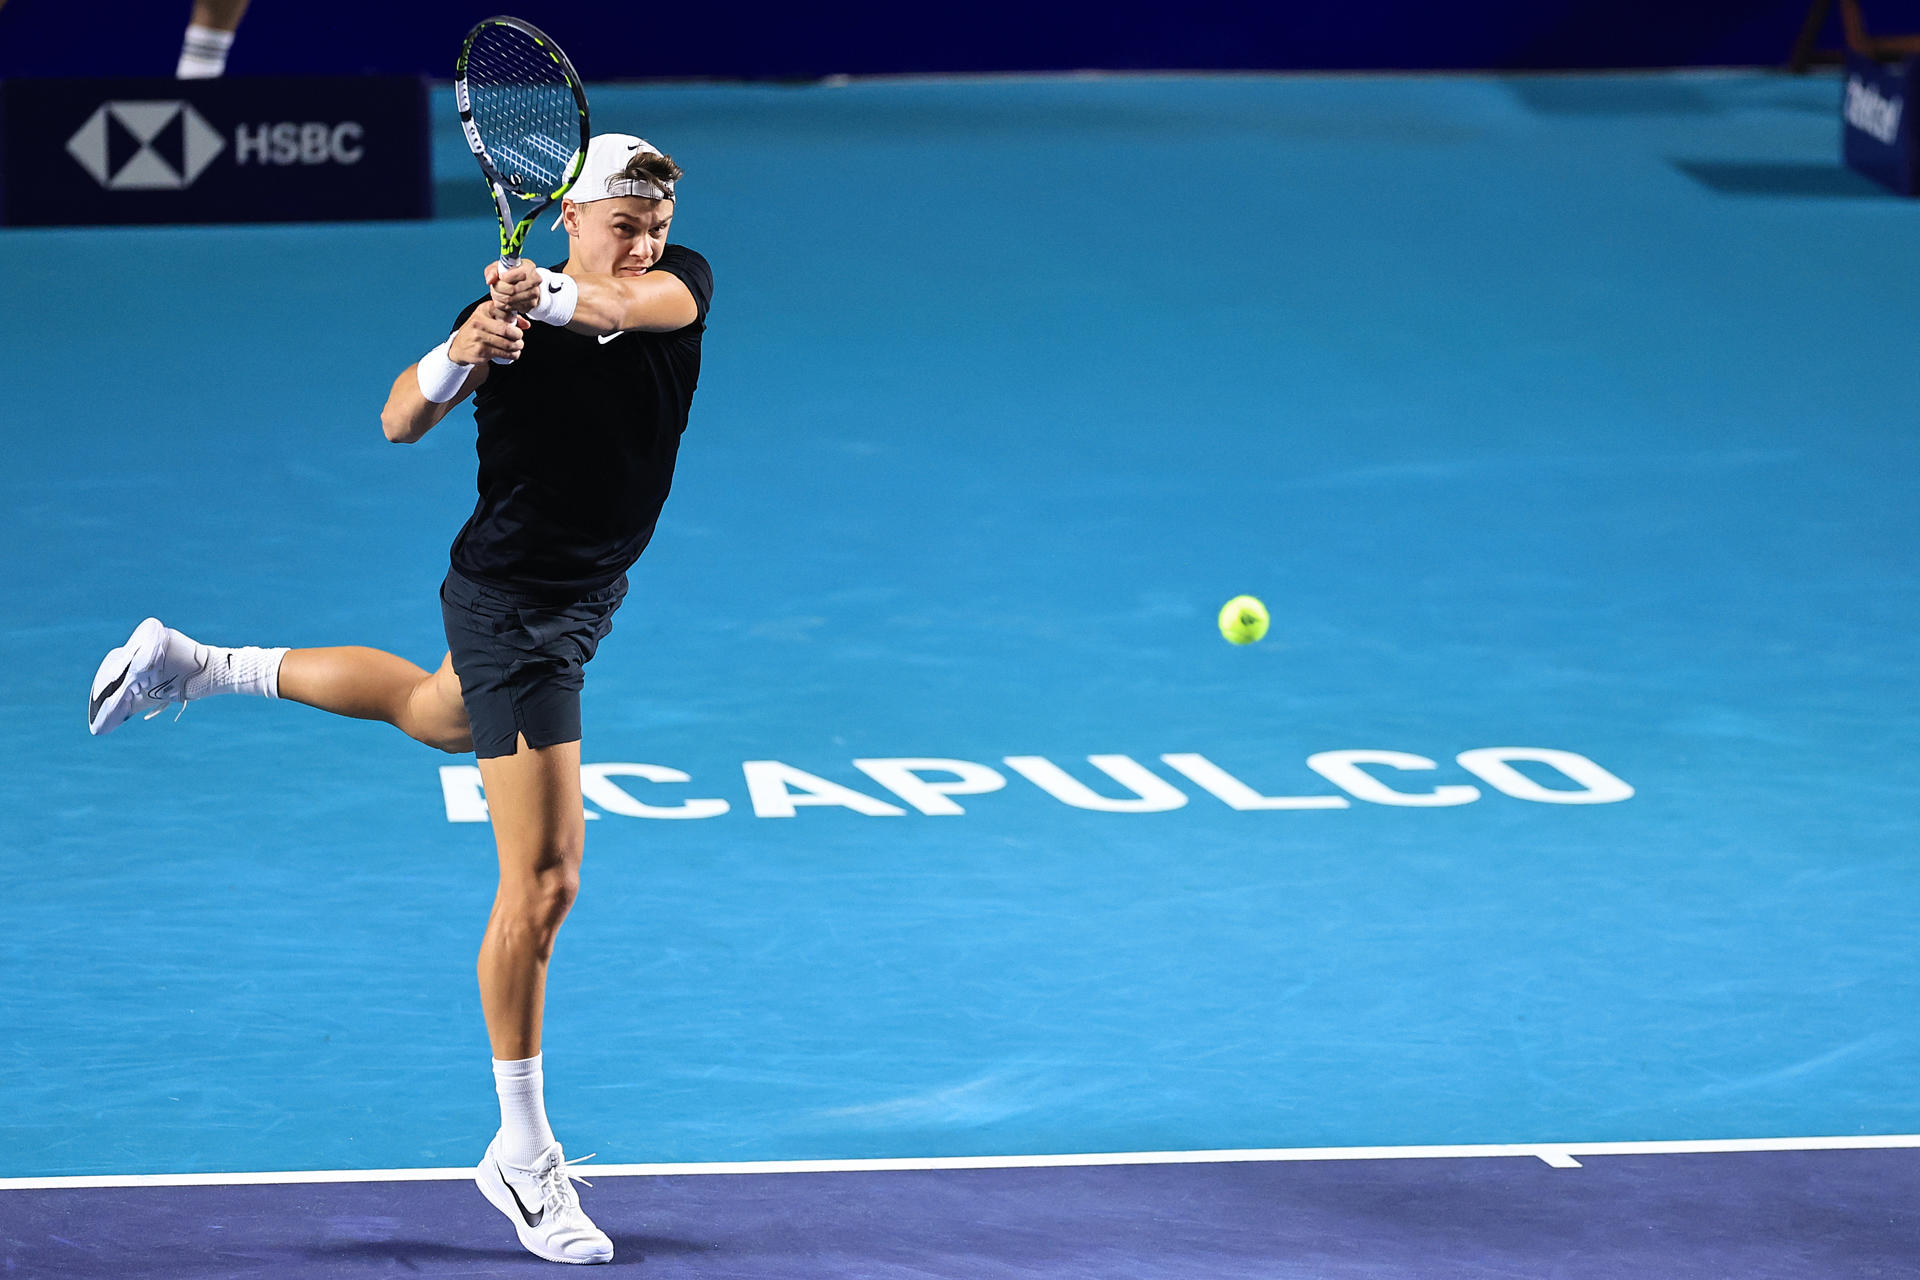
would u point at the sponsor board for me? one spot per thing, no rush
(1876, 126)
(309, 149)
(894, 787)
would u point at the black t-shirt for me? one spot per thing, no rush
(577, 440)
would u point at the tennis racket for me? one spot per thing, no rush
(524, 112)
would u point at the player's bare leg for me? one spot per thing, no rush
(159, 666)
(371, 684)
(539, 831)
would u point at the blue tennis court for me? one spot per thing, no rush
(1559, 420)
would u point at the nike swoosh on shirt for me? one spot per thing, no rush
(605, 338)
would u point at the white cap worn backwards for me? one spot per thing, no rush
(607, 157)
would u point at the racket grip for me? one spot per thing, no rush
(507, 264)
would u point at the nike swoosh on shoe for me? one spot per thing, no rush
(532, 1219)
(159, 692)
(100, 699)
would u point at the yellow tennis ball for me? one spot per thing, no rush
(1243, 620)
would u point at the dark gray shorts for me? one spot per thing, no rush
(522, 664)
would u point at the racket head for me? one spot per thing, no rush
(523, 111)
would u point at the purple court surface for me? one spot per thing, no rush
(1753, 1214)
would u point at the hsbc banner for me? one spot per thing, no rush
(1876, 127)
(307, 149)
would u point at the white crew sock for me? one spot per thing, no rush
(203, 54)
(244, 670)
(524, 1133)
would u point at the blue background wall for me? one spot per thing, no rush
(758, 40)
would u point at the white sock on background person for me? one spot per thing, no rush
(203, 54)
(524, 1132)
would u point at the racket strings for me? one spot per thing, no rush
(524, 110)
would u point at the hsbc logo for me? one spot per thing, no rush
(108, 152)
(145, 146)
(1872, 112)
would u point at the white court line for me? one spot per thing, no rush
(1561, 1155)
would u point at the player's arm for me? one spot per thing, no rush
(408, 414)
(658, 301)
(454, 370)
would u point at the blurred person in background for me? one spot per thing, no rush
(203, 54)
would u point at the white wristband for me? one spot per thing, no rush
(439, 377)
(559, 295)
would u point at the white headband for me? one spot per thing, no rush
(647, 190)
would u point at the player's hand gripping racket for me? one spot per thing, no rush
(524, 112)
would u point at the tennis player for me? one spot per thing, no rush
(578, 432)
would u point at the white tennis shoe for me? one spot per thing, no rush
(540, 1202)
(150, 670)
